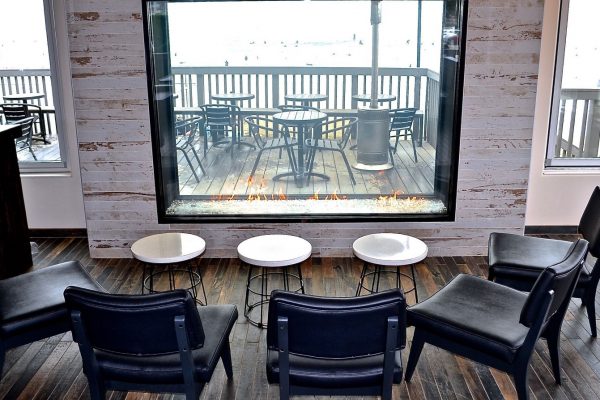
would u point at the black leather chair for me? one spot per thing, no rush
(32, 306)
(517, 261)
(497, 325)
(335, 346)
(156, 342)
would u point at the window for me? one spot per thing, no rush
(265, 110)
(574, 135)
(28, 81)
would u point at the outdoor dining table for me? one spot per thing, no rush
(233, 98)
(381, 98)
(306, 98)
(303, 121)
(24, 98)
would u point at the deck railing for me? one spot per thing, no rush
(413, 87)
(578, 128)
(29, 81)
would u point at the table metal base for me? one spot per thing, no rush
(194, 277)
(376, 274)
(300, 179)
(263, 293)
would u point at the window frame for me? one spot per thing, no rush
(58, 77)
(446, 168)
(551, 161)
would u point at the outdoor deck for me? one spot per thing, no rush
(228, 175)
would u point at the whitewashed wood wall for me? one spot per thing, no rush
(113, 129)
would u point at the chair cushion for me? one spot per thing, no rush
(333, 373)
(476, 313)
(34, 301)
(517, 260)
(218, 320)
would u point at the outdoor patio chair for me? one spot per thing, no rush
(495, 325)
(271, 136)
(517, 261)
(19, 114)
(220, 123)
(156, 342)
(185, 132)
(341, 127)
(401, 121)
(336, 346)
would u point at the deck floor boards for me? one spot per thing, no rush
(228, 175)
(51, 368)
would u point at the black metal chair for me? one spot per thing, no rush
(220, 122)
(32, 306)
(517, 261)
(271, 136)
(335, 346)
(185, 137)
(341, 127)
(401, 122)
(19, 114)
(495, 325)
(155, 342)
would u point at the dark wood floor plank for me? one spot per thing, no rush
(51, 369)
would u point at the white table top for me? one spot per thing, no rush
(389, 249)
(274, 250)
(166, 248)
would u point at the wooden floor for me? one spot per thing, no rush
(43, 152)
(51, 369)
(227, 175)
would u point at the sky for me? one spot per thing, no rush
(293, 33)
(324, 33)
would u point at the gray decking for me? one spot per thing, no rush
(228, 175)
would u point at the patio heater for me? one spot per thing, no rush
(373, 134)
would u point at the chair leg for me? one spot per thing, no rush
(520, 377)
(198, 160)
(412, 137)
(397, 139)
(553, 341)
(491, 275)
(256, 162)
(391, 155)
(415, 352)
(2, 356)
(97, 389)
(190, 164)
(590, 307)
(348, 167)
(362, 279)
(226, 358)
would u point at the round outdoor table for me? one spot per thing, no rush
(303, 120)
(24, 97)
(381, 98)
(388, 249)
(306, 98)
(269, 252)
(232, 98)
(174, 250)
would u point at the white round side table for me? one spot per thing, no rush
(268, 252)
(175, 250)
(388, 249)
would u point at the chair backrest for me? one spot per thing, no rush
(19, 113)
(560, 278)
(343, 126)
(402, 118)
(134, 324)
(219, 114)
(589, 225)
(262, 127)
(330, 327)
